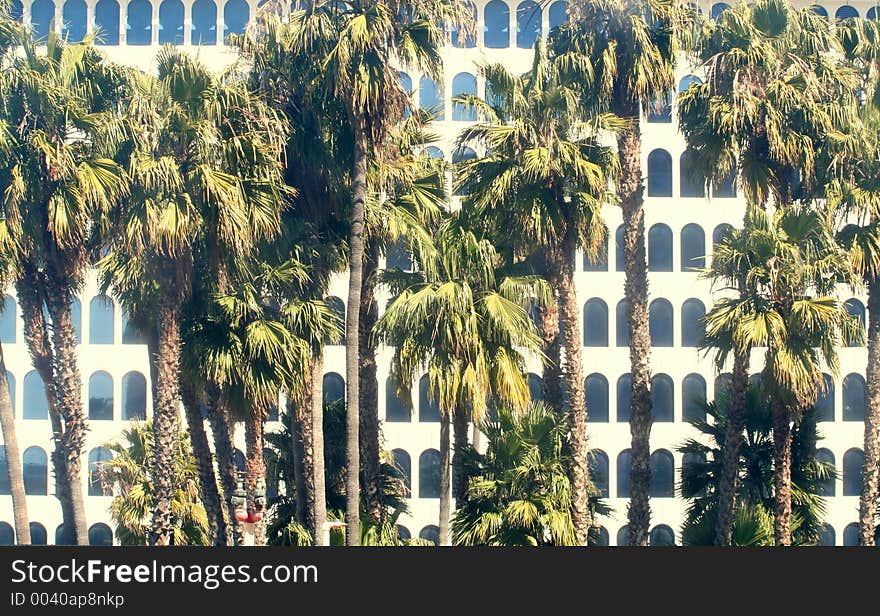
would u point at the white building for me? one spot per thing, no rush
(681, 223)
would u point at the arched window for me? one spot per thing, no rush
(35, 469)
(827, 536)
(431, 533)
(687, 81)
(405, 82)
(624, 467)
(720, 233)
(42, 16)
(595, 323)
(872, 13)
(846, 12)
(601, 262)
(97, 456)
(64, 535)
(623, 535)
(659, 174)
(662, 398)
(596, 394)
(723, 383)
(73, 27)
(429, 474)
(536, 387)
(496, 25)
(661, 536)
(139, 23)
(693, 248)
(130, 332)
(624, 397)
(619, 255)
(398, 257)
(662, 474)
(429, 407)
(5, 486)
(403, 463)
(403, 533)
(660, 110)
(854, 397)
(7, 535)
(660, 323)
(558, 14)
(856, 309)
(528, 24)
(693, 397)
(692, 330)
(459, 156)
(693, 463)
(204, 23)
(435, 153)
(660, 248)
(599, 471)
(16, 10)
(465, 39)
(8, 321)
(622, 323)
(334, 388)
(39, 536)
(717, 9)
(690, 183)
(171, 22)
(395, 409)
(100, 396)
(271, 476)
(236, 14)
(853, 460)
(726, 187)
(464, 84)
(851, 535)
(107, 22)
(337, 307)
(824, 407)
(134, 396)
(35, 403)
(101, 316)
(240, 463)
(431, 97)
(826, 486)
(598, 537)
(76, 318)
(100, 535)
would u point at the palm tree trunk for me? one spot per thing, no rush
(782, 471)
(255, 471)
(205, 465)
(733, 438)
(297, 429)
(445, 495)
(630, 191)
(548, 320)
(221, 431)
(13, 460)
(868, 497)
(68, 386)
(319, 513)
(36, 334)
(352, 330)
(369, 390)
(569, 314)
(460, 440)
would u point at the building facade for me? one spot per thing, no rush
(681, 222)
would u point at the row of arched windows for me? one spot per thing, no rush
(853, 460)
(430, 532)
(102, 325)
(101, 399)
(690, 183)
(660, 321)
(844, 12)
(429, 472)
(35, 471)
(99, 534)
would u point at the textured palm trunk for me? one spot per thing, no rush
(316, 472)
(36, 334)
(733, 437)
(68, 388)
(868, 498)
(369, 390)
(224, 451)
(460, 419)
(205, 465)
(13, 460)
(631, 192)
(569, 315)
(445, 492)
(165, 420)
(255, 471)
(303, 491)
(352, 331)
(782, 471)
(548, 324)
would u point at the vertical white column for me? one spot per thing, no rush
(187, 22)
(26, 12)
(90, 17)
(154, 25)
(59, 16)
(221, 25)
(511, 16)
(123, 13)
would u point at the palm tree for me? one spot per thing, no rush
(776, 88)
(128, 475)
(13, 459)
(791, 266)
(466, 322)
(58, 180)
(204, 158)
(628, 49)
(546, 176)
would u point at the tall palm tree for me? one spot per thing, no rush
(776, 88)
(465, 321)
(629, 48)
(58, 180)
(545, 175)
(13, 459)
(204, 157)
